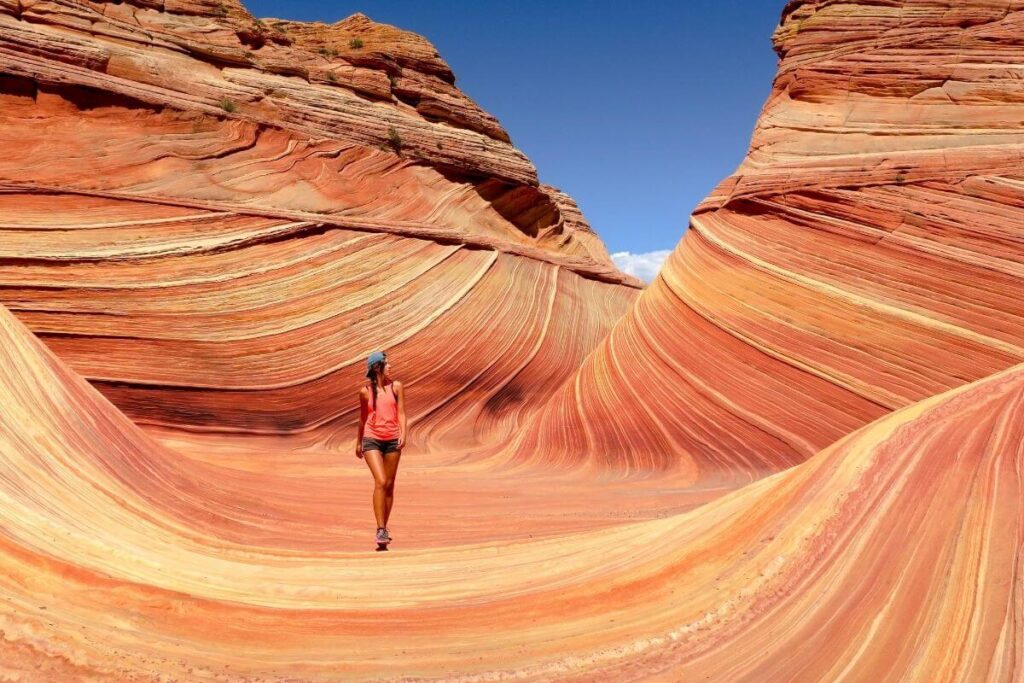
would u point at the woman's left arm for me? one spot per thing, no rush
(400, 391)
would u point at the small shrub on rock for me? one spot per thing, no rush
(394, 139)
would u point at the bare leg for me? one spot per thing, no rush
(375, 461)
(391, 460)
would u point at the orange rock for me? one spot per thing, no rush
(229, 242)
(862, 560)
(867, 254)
(200, 221)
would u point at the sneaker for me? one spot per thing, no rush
(382, 536)
(387, 532)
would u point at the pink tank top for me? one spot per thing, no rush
(382, 423)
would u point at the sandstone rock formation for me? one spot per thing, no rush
(215, 218)
(797, 457)
(867, 254)
(910, 529)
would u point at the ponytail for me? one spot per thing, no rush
(376, 370)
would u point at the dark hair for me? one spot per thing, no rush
(376, 369)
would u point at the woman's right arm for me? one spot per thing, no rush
(364, 410)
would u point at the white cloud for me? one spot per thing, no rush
(643, 266)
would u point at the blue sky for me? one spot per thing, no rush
(637, 109)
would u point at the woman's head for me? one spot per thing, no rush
(377, 366)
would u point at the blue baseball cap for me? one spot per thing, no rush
(375, 357)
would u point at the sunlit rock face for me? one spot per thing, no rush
(862, 560)
(213, 232)
(868, 253)
(216, 218)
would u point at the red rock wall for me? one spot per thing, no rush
(893, 555)
(230, 271)
(217, 241)
(868, 253)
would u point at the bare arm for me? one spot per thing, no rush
(402, 430)
(364, 411)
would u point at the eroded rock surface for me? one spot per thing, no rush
(216, 218)
(867, 254)
(910, 529)
(844, 315)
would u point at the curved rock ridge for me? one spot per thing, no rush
(206, 90)
(231, 65)
(911, 528)
(868, 253)
(217, 241)
(200, 229)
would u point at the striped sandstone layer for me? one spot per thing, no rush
(867, 254)
(910, 529)
(215, 218)
(226, 270)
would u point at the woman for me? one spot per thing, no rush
(381, 436)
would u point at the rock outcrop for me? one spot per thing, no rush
(910, 529)
(867, 254)
(797, 457)
(215, 218)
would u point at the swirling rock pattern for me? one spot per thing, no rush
(867, 254)
(212, 218)
(217, 242)
(910, 529)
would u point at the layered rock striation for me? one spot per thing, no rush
(197, 216)
(910, 529)
(215, 218)
(868, 253)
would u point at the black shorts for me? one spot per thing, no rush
(378, 445)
